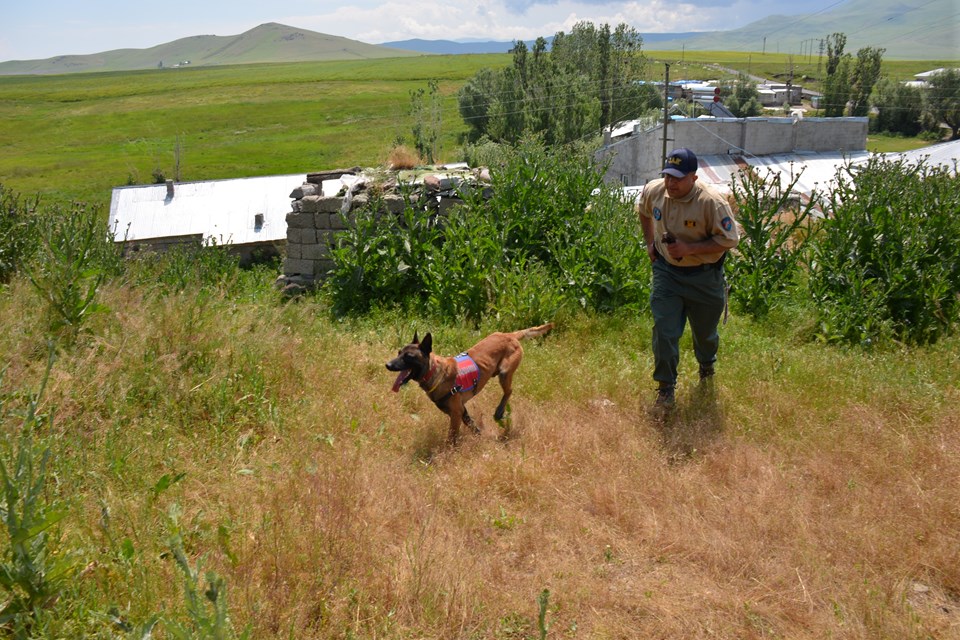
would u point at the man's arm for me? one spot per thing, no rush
(646, 224)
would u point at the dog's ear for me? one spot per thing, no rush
(426, 345)
(416, 340)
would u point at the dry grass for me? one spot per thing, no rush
(810, 493)
(403, 157)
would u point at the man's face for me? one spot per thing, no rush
(679, 187)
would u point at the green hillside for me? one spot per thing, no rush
(926, 32)
(267, 43)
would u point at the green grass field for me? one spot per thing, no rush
(78, 136)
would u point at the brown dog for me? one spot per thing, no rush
(451, 381)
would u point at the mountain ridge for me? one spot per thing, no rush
(269, 42)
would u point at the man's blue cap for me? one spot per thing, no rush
(679, 163)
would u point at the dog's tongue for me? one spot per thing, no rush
(401, 379)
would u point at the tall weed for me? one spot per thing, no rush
(187, 267)
(34, 569)
(207, 610)
(76, 254)
(886, 263)
(17, 232)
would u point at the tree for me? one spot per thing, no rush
(899, 107)
(836, 89)
(835, 44)
(425, 107)
(744, 100)
(941, 102)
(866, 72)
(587, 82)
(836, 86)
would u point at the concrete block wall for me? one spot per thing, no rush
(311, 226)
(636, 157)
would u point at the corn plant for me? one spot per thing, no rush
(378, 259)
(775, 222)
(886, 262)
(459, 276)
(34, 570)
(599, 256)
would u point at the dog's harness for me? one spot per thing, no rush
(468, 374)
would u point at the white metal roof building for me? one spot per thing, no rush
(244, 212)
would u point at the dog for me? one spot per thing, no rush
(451, 381)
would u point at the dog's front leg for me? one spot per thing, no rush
(456, 412)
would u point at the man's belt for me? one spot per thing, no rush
(708, 266)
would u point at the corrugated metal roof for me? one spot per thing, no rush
(813, 170)
(945, 154)
(224, 210)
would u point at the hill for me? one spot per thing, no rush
(269, 42)
(927, 32)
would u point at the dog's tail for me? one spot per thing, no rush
(533, 332)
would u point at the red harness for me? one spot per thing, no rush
(467, 374)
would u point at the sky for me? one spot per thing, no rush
(38, 29)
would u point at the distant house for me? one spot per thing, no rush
(922, 80)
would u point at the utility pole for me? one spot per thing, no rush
(666, 111)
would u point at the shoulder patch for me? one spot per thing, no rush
(727, 223)
(657, 214)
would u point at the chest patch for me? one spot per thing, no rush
(690, 224)
(467, 374)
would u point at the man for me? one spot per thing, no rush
(688, 228)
